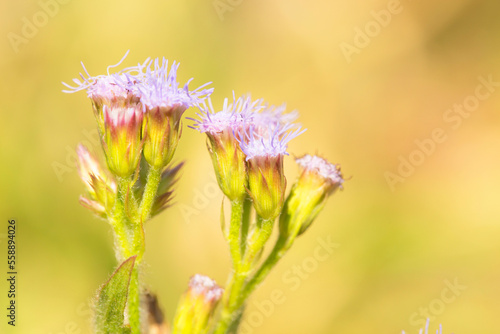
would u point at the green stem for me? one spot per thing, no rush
(121, 220)
(148, 198)
(233, 303)
(281, 246)
(245, 224)
(129, 241)
(276, 254)
(234, 237)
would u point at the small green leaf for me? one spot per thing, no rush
(112, 300)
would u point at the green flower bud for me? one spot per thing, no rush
(197, 306)
(122, 139)
(101, 188)
(161, 134)
(317, 181)
(222, 129)
(229, 164)
(267, 185)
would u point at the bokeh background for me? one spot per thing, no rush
(399, 246)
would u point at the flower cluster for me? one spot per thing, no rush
(139, 109)
(248, 140)
(138, 112)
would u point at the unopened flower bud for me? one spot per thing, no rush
(197, 305)
(317, 181)
(122, 138)
(100, 187)
(94, 206)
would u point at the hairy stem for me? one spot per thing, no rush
(129, 241)
(148, 198)
(245, 224)
(234, 237)
(232, 302)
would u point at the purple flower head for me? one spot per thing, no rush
(233, 116)
(272, 143)
(111, 89)
(158, 86)
(330, 172)
(151, 83)
(222, 129)
(272, 117)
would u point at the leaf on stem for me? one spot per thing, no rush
(112, 300)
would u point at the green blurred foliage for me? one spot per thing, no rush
(397, 248)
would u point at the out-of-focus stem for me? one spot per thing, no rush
(234, 237)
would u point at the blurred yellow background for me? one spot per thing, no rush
(370, 79)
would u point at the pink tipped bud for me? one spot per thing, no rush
(161, 134)
(317, 181)
(197, 306)
(122, 138)
(100, 187)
